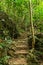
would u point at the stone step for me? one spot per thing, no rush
(25, 39)
(21, 52)
(21, 47)
(11, 53)
(18, 61)
(18, 47)
(15, 46)
(19, 43)
(17, 52)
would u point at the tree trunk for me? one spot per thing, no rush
(32, 27)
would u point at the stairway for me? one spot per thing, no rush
(20, 53)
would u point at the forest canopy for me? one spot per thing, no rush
(19, 11)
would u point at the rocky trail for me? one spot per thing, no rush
(19, 51)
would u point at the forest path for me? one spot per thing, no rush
(20, 46)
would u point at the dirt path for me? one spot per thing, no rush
(21, 51)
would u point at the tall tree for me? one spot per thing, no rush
(32, 27)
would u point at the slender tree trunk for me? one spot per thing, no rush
(32, 27)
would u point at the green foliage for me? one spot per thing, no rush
(4, 60)
(18, 10)
(38, 14)
(4, 46)
(34, 57)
